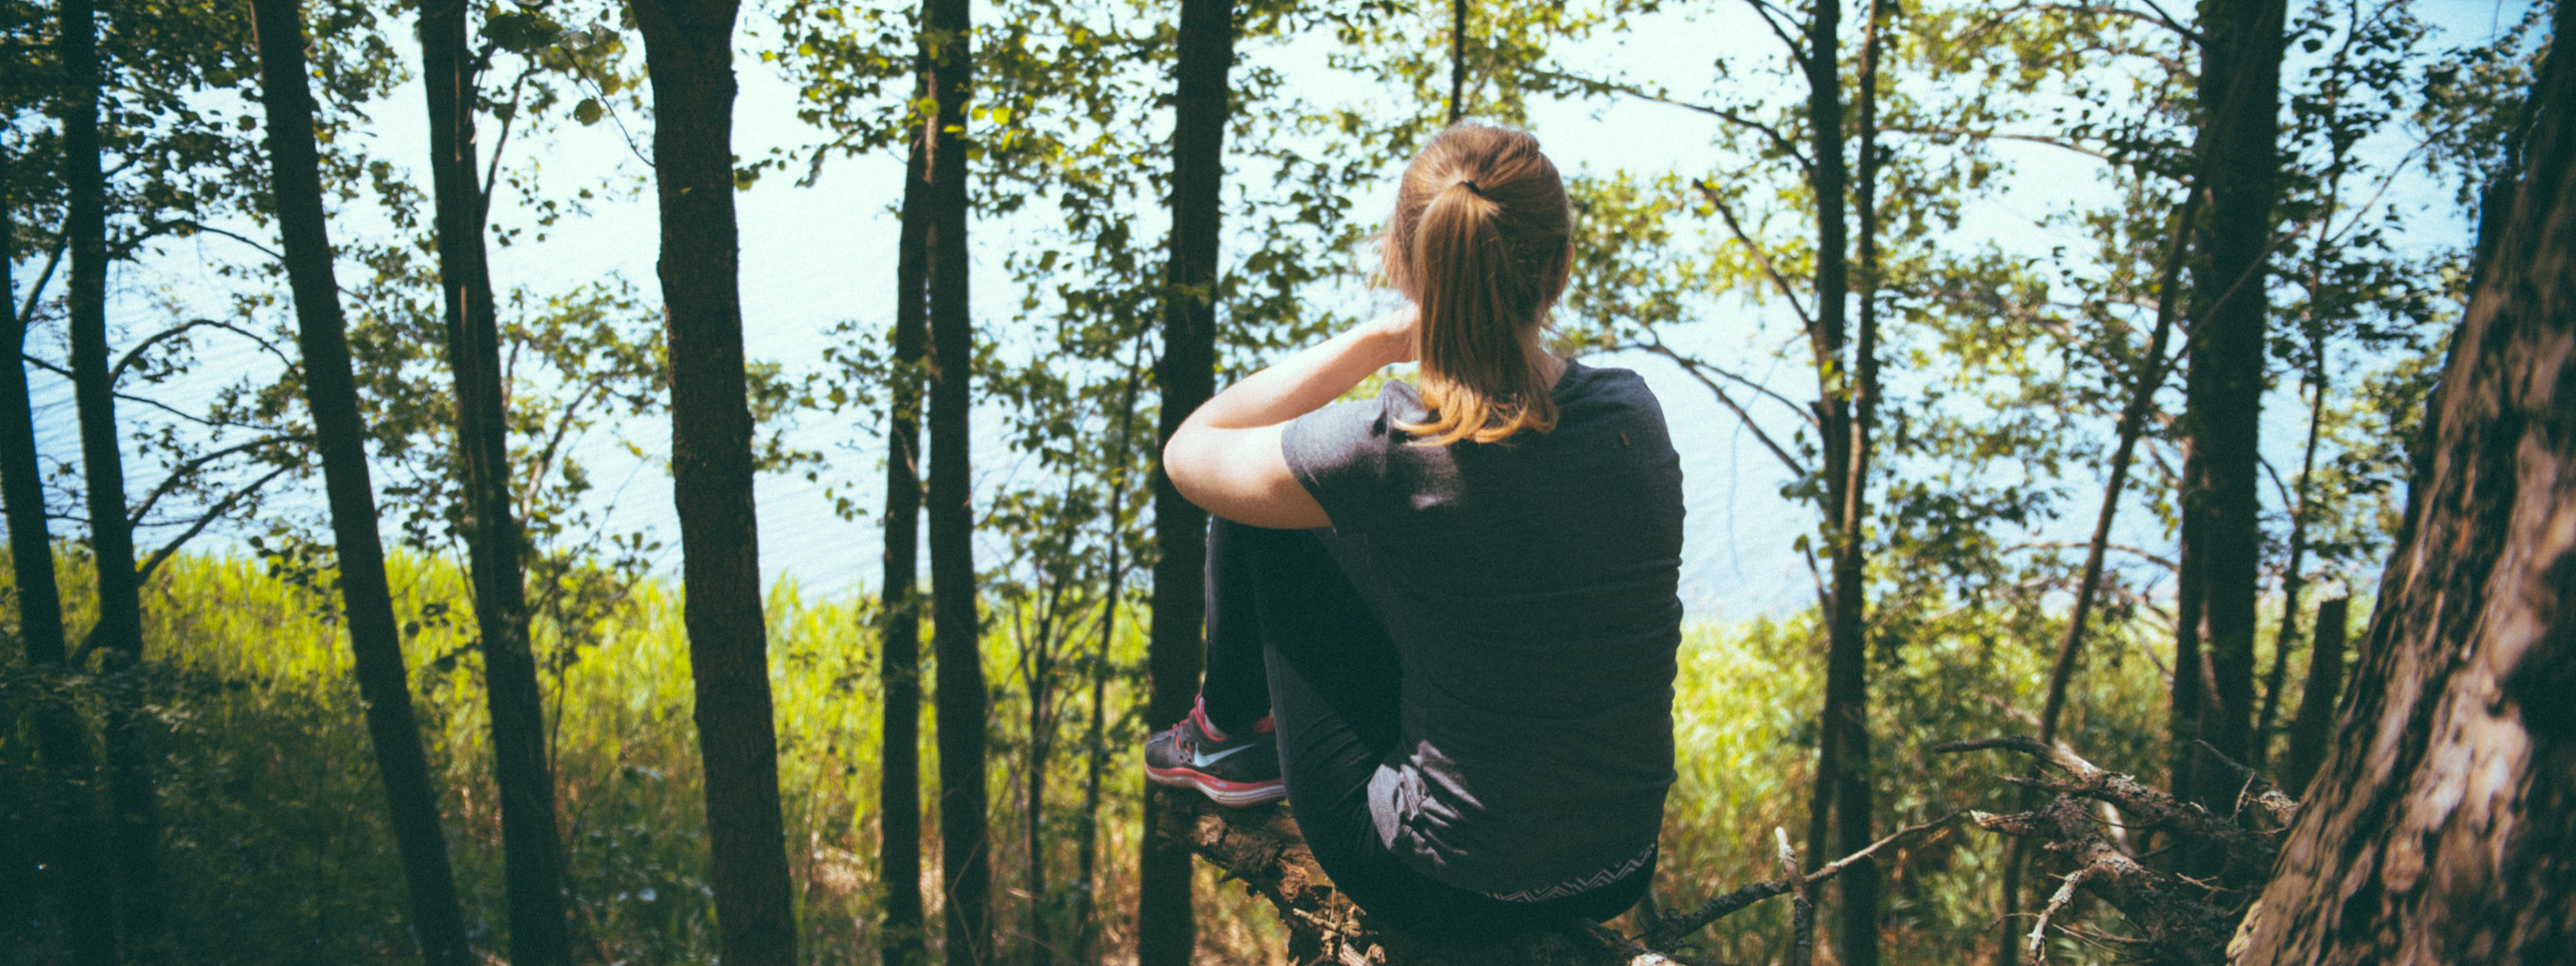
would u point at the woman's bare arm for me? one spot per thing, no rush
(1226, 457)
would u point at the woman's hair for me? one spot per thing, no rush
(1478, 242)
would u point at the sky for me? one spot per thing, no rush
(815, 256)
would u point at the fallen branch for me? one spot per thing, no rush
(1675, 929)
(2184, 921)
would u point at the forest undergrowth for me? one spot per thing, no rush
(278, 850)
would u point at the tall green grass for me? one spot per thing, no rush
(278, 851)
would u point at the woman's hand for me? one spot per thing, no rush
(1403, 329)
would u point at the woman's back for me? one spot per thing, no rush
(1530, 587)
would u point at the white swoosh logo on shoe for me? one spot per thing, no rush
(1201, 759)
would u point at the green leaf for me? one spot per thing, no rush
(588, 112)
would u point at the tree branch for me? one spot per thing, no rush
(179, 474)
(1590, 85)
(1727, 212)
(208, 518)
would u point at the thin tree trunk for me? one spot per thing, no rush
(73, 848)
(1087, 846)
(1165, 927)
(531, 849)
(2293, 583)
(1040, 672)
(2088, 584)
(331, 394)
(1842, 802)
(899, 789)
(118, 635)
(2315, 721)
(965, 853)
(2438, 829)
(1457, 60)
(2222, 535)
(688, 48)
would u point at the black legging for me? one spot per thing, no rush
(1289, 632)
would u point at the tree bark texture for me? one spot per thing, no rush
(1839, 816)
(901, 942)
(531, 850)
(688, 48)
(2442, 826)
(330, 392)
(1165, 929)
(2222, 535)
(118, 635)
(965, 853)
(71, 848)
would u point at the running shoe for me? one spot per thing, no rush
(1232, 770)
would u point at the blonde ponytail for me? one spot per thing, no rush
(1478, 242)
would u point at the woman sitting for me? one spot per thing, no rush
(1442, 622)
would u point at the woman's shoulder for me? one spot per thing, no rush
(1605, 385)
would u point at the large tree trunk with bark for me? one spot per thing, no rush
(688, 48)
(965, 858)
(71, 850)
(331, 393)
(1839, 814)
(2222, 535)
(2442, 825)
(118, 635)
(532, 852)
(901, 942)
(1165, 930)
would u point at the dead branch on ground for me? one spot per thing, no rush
(2184, 921)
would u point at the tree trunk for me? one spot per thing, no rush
(1839, 816)
(331, 394)
(965, 856)
(688, 48)
(1096, 745)
(901, 943)
(1457, 60)
(2222, 535)
(2315, 721)
(532, 853)
(1165, 928)
(118, 635)
(89, 899)
(2440, 827)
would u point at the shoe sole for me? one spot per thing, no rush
(1218, 790)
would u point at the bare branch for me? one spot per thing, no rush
(40, 363)
(179, 474)
(2145, 555)
(1692, 366)
(35, 293)
(1768, 12)
(200, 226)
(1727, 212)
(2042, 139)
(133, 355)
(208, 518)
(2037, 951)
(1590, 85)
(1719, 907)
